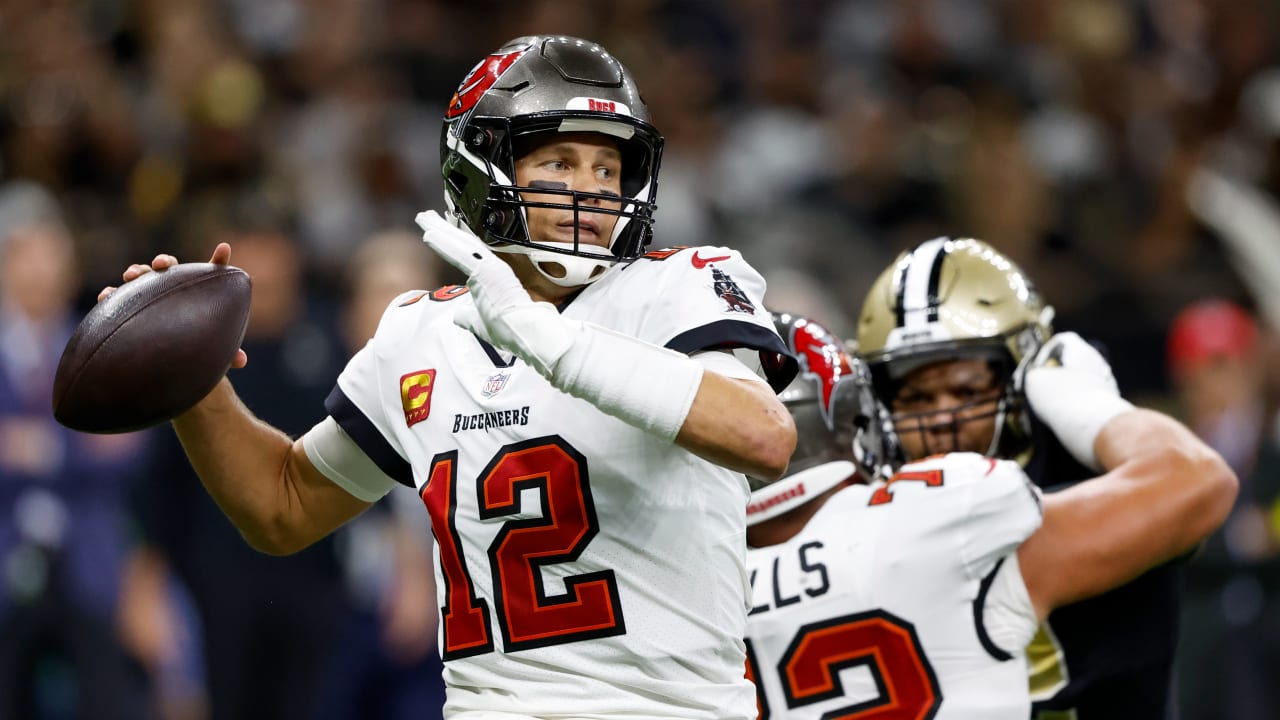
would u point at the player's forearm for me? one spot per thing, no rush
(1164, 492)
(740, 425)
(242, 462)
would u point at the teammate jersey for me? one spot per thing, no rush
(878, 608)
(1109, 657)
(584, 567)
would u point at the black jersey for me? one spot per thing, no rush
(1110, 656)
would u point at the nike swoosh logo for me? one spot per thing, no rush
(699, 262)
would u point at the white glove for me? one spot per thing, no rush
(505, 316)
(645, 385)
(1071, 389)
(460, 247)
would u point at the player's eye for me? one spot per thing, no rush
(910, 401)
(971, 393)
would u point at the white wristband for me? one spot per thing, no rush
(637, 382)
(1076, 414)
(1071, 389)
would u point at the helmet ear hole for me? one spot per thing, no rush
(480, 140)
(457, 183)
(495, 220)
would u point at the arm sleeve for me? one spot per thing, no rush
(728, 364)
(338, 458)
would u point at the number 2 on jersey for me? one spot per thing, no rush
(877, 640)
(527, 615)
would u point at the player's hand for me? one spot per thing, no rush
(1070, 387)
(504, 315)
(1067, 361)
(163, 261)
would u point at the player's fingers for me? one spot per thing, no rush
(105, 292)
(240, 360)
(163, 261)
(135, 271)
(221, 254)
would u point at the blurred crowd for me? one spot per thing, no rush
(1125, 152)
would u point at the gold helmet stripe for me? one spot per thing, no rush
(919, 285)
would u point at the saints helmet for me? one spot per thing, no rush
(956, 299)
(543, 84)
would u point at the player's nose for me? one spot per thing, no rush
(584, 180)
(943, 418)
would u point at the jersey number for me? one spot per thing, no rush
(879, 641)
(527, 615)
(931, 478)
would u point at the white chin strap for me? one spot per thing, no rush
(578, 271)
(795, 490)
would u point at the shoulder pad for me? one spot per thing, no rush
(663, 253)
(443, 294)
(960, 467)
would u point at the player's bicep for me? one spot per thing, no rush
(1166, 497)
(1047, 556)
(739, 423)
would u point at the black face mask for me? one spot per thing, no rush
(930, 422)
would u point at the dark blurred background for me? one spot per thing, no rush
(1125, 152)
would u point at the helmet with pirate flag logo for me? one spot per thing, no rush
(839, 423)
(545, 84)
(951, 300)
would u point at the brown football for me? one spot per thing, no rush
(152, 349)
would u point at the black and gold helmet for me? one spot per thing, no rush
(956, 299)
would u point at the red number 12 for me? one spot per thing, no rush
(527, 615)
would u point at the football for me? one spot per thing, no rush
(152, 349)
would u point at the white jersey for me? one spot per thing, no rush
(584, 567)
(881, 607)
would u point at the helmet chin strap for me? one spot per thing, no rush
(578, 271)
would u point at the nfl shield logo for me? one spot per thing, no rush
(494, 384)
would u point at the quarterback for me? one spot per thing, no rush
(915, 596)
(574, 419)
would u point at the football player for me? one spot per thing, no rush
(575, 419)
(950, 331)
(915, 598)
